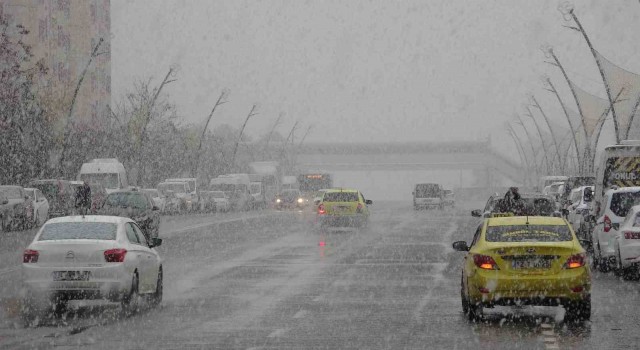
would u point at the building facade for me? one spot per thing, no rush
(63, 33)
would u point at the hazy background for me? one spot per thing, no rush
(367, 70)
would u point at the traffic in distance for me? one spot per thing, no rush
(529, 248)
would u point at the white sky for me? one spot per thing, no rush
(374, 70)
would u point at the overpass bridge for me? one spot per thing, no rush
(489, 168)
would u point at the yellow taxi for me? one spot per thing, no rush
(343, 207)
(522, 260)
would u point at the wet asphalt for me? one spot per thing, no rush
(269, 280)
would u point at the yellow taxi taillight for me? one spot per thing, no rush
(575, 261)
(485, 262)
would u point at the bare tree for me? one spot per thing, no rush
(67, 128)
(219, 102)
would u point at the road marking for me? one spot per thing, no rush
(8, 270)
(278, 333)
(550, 338)
(217, 222)
(437, 275)
(301, 314)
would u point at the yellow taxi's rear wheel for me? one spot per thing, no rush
(463, 298)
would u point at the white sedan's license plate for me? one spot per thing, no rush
(531, 263)
(71, 275)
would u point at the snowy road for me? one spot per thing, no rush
(268, 281)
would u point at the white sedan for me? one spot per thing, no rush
(627, 245)
(40, 206)
(91, 257)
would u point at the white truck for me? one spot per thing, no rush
(236, 186)
(108, 172)
(271, 172)
(257, 191)
(290, 183)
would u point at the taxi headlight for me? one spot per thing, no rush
(278, 200)
(300, 200)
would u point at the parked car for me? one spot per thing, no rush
(89, 257)
(14, 208)
(135, 205)
(616, 204)
(39, 206)
(627, 246)
(158, 199)
(59, 194)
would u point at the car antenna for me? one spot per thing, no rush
(527, 223)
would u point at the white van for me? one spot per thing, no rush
(619, 166)
(108, 172)
(237, 187)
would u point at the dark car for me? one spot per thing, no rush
(135, 205)
(59, 193)
(289, 199)
(531, 204)
(14, 204)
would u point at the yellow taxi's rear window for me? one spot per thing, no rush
(340, 197)
(528, 233)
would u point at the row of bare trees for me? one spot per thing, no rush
(41, 138)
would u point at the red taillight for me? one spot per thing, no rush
(115, 255)
(577, 289)
(575, 261)
(321, 210)
(485, 262)
(30, 256)
(631, 235)
(359, 208)
(607, 224)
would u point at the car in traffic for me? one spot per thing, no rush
(525, 260)
(59, 194)
(216, 201)
(627, 246)
(135, 205)
(158, 199)
(289, 199)
(39, 206)
(343, 207)
(615, 206)
(578, 210)
(89, 257)
(534, 204)
(14, 208)
(178, 196)
(428, 195)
